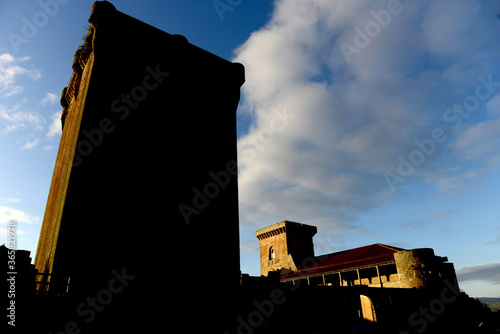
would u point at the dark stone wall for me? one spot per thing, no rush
(152, 197)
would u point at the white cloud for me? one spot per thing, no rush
(49, 98)
(10, 70)
(478, 140)
(352, 120)
(10, 200)
(55, 127)
(493, 107)
(15, 118)
(475, 151)
(452, 34)
(8, 213)
(4, 231)
(31, 144)
(454, 178)
(487, 272)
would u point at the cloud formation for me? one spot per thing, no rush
(487, 273)
(19, 113)
(352, 121)
(17, 117)
(8, 213)
(10, 70)
(31, 144)
(55, 127)
(49, 98)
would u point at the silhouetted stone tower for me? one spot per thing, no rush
(284, 246)
(145, 181)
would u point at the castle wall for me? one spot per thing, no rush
(292, 245)
(281, 258)
(300, 244)
(301, 308)
(413, 267)
(145, 183)
(49, 234)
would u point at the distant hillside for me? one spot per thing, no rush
(494, 307)
(493, 303)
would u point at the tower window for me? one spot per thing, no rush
(271, 253)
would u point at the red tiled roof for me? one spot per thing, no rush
(348, 259)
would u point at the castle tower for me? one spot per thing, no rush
(413, 267)
(285, 246)
(145, 183)
(420, 268)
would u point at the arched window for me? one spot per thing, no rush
(271, 253)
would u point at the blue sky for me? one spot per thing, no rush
(377, 121)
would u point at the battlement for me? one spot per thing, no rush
(284, 246)
(137, 93)
(282, 227)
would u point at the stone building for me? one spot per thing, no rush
(141, 228)
(284, 246)
(145, 180)
(287, 247)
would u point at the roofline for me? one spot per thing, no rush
(316, 267)
(331, 272)
(282, 225)
(397, 249)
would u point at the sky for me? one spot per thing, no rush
(376, 121)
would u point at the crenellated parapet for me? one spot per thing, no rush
(70, 93)
(285, 245)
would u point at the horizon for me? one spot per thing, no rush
(376, 122)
